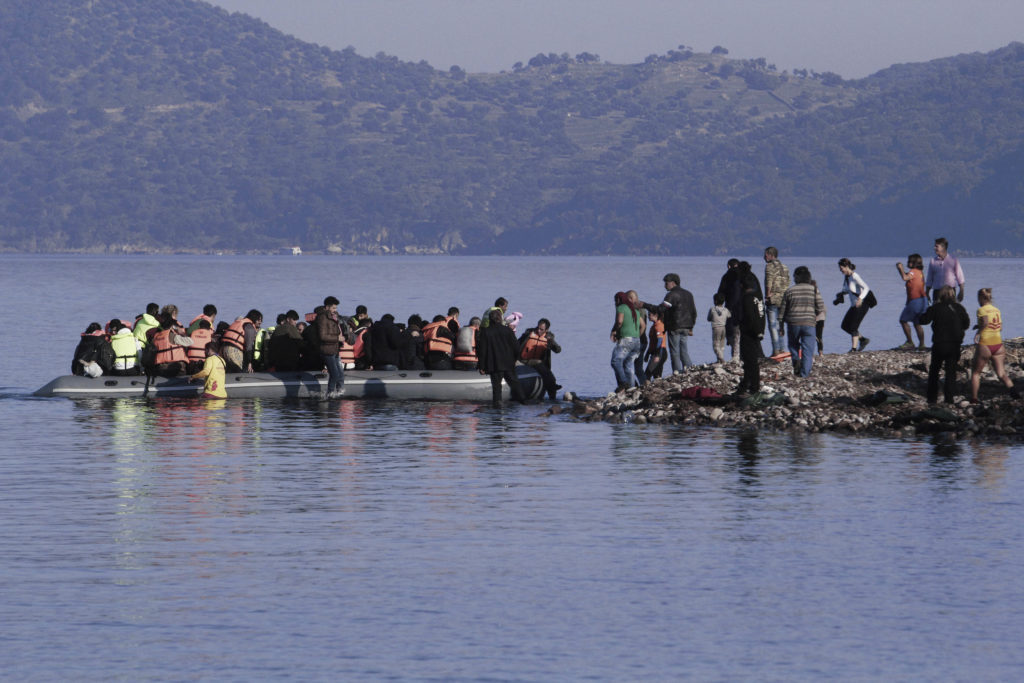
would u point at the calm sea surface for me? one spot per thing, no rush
(265, 539)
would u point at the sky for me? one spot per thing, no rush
(853, 38)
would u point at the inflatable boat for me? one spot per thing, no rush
(412, 385)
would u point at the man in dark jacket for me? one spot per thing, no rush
(330, 330)
(385, 344)
(497, 351)
(679, 314)
(949, 321)
(731, 290)
(751, 331)
(285, 347)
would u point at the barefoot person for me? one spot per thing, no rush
(917, 302)
(989, 345)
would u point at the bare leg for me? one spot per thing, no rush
(981, 358)
(998, 364)
(906, 331)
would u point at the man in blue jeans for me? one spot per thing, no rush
(679, 315)
(776, 282)
(799, 310)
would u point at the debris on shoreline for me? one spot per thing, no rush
(879, 393)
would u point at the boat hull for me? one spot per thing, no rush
(412, 385)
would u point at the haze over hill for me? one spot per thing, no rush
(174, 125)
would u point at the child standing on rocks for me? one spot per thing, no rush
(717, 315)
(989, 345)
(917, 302)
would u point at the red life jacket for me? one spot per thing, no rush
(434, 341)
(200, 338)
(348, 353)
(535, 346)
(166, 351)
(235, 335)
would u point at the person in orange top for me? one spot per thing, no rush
(989, 345)
(917, 301)
(657, 346)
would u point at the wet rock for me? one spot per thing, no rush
(875, 392)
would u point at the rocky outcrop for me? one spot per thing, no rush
(874, 392)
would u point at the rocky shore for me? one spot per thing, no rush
(874, 392)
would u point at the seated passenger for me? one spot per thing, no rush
(201, 336)
(412, 345)
(209, 314)
(238, 343)
(438, 342)
(286, 344)
(464, 356)
(167, 349)
(150, 320)
(93, 356)
(385, 344)
(126, 349)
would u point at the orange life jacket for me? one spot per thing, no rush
(235, 335)
(199, 317)
(463, 355)
(200, 338)
(535, 346)
(348, 353)
(434, 341)
(166, 351)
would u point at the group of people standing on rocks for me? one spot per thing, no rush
(794, 314)
(156, 344)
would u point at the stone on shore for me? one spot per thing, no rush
(873, 392)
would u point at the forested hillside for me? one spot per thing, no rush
(173, 125)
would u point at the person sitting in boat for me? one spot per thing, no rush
(238, 342)
(93, 356)
(150, 320)
(201, 336)
(412, 356)
(438, 342)
(464, 356)
(166, 353)
(453, 319)
(359, 349)
(361, 318)
(535, 348)
(500, 304)
(286, 344)
(386, 344)
(126, 349)
(209, 314)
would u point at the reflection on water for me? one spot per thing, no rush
(432, 540)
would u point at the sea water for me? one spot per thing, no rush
(262, 539)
